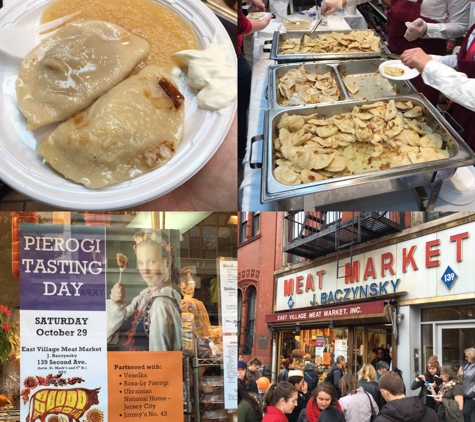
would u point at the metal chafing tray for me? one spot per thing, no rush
(332, 191)
(364, 73)
(280, 37)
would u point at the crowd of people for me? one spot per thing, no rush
(446, 394)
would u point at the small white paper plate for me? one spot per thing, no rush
(408, 72)
(249, 16)
(460, 188)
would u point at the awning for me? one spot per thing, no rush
(361, 312)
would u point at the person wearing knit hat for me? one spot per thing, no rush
(433, 362)
(244, 375)
(431, 376)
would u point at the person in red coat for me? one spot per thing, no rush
(324, 400)
(280, 399)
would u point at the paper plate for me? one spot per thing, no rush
(264, 15)
(22, 168)
(408, 72)
(460, 188)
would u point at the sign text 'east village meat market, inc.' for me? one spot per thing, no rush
(380, 272)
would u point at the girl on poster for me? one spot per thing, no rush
(152, 321)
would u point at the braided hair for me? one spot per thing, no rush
(251, 398)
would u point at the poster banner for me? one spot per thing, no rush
(228, 285)
(92, 299)
(230, 357)
(63, 322)
(341, 348)
(143, 386)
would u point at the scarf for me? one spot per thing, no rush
(446, 386)
(313, 412)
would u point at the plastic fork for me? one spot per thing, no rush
(18, 42)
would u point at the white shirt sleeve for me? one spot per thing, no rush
(116, 316)
(456, 11)
(454, 85)
(165, 325)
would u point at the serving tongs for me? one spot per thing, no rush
(312, 30)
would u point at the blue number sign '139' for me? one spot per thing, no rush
(449, 277)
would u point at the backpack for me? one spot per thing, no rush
(330, 377)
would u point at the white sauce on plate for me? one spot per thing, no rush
(210, 72)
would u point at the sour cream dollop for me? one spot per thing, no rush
(212, 73)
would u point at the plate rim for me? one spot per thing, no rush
(397, 78)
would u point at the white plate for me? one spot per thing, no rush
(22, 168)
(460, 188)
(259, 19)
(408, 72)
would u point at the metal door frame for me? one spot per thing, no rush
(438, 346)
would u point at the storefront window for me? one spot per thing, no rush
(451, 313)
(251, 320)
(446, 333)
(135, 252)
(255, 223)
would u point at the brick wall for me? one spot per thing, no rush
(258, 257)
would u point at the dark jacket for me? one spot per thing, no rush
(428, 401)
(337, 376)
(311, 378)
(372, 388)
(283, 375)
(246, 412)
(408, 409)
(252, 387)
(301, 404)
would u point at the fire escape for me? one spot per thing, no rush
(316, 234)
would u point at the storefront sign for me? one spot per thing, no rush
(230, 357)
(341, 348)
(77, 320)
(143, 388)
(331, 313)
(63, 322)
(228, 285)
(439, 259)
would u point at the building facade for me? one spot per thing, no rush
(369, 280)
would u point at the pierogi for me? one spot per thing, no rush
(68, 71)
(132, 129)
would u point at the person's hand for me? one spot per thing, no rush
(331, 6)
(415, 29)
(438, 398)
(214, 187)
(305, 387)
(118, 294)
(415, 58)
(257, 4)
(422, 377)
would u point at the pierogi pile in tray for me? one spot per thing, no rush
(299, 87)
(372, 137)
(334, 42)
